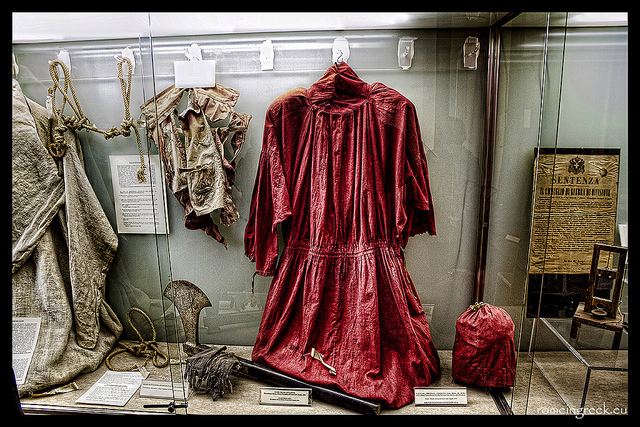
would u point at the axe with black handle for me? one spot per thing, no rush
(190, 300)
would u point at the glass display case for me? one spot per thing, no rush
(572, 361)
(497, 101)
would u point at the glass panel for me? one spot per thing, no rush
(168, 331)
(62, 27)
(547, 100)
(550, 81)
(523, 77)
(135, 277)
(584, 129)
(434, 81)
(586, 373)
(606, 394)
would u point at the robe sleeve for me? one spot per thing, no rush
(419, 212)
(270, 204)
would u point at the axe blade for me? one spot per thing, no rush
(189, 300)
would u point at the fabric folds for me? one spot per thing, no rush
(484, 351)
(62, 249)
(343, 172)
(192, 150)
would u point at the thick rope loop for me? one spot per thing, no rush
(147, 349)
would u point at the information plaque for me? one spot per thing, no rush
(285, 396)
(440, 396)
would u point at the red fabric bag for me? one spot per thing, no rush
(484, 351)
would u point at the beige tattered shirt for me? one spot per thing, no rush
(191, 147)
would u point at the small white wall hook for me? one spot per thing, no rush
(128, 53)
(341, 51)
(405, 52)
(193, 53)
(266, 55)
(65, 58)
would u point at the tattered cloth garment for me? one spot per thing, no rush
(343, 170)
(62, 249)
(192, 149)
(484, 352)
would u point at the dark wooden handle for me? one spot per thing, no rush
(257, 372)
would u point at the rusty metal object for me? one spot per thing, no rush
(189, 300)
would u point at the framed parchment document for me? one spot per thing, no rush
(574, 207)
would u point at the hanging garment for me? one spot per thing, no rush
(343, 170)
(191, 146)
(62, 249)
(484, 352)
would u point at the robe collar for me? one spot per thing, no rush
(339, 84)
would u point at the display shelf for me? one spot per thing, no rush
(244, 398)
(583, 372)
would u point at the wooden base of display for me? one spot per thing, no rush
(582, 317)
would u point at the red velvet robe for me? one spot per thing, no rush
(343, 170)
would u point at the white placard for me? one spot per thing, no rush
(194, 73)
(442, 396)
(113, 389)
(285, 396)
(164, 389)
(140, 206)
(24, 336)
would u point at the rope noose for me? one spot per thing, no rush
(57, 145)
(127, 123)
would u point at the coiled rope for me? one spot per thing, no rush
(148, 349)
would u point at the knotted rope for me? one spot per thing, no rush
(147, 349)
(57, 146)
(127, 123)
(476, 306)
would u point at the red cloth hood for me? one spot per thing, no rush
(339, 87)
